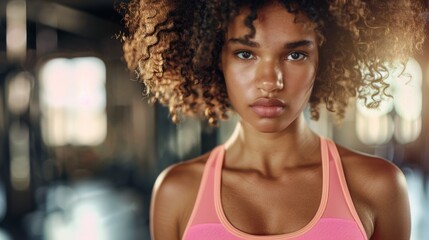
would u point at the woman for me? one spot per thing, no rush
(267, 60)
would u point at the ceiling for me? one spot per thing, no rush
(79, 24)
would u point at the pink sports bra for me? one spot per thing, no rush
(336, 218)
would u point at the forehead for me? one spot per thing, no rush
(272, 18)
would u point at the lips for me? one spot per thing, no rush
(268, 107)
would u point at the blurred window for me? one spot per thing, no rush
(73, 101)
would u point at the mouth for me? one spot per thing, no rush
(268, 107)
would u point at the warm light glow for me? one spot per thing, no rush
(406, 130)
(92, 128)
(19, 92)
(73, 101)
(406, 89)
(385, 107)
(374, 130)
(427, 75)
(16, 29)
(408, 104)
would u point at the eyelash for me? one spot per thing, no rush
(303, 56)
(238, 53)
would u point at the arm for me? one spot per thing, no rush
(173, 197)
(163, 210)
(391, 205)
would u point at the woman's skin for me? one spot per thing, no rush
(272, 174)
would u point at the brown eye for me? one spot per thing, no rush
(244, 55)
(296, 56)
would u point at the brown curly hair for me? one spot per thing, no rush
(175, 46)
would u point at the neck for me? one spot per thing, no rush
(268, 153)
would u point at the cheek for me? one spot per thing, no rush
(239, 88)
(302, 78)
(237, 77)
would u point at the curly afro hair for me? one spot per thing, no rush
(174, 46)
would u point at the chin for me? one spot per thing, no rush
(270, 126)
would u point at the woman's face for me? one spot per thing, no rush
(269, 78)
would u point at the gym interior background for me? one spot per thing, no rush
(80, 147)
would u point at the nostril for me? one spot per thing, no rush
(271, 86)
(270, 77)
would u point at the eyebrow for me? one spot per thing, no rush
(297, 44)
(289, 45)
(244, 42)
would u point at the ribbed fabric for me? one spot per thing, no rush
(335, 219)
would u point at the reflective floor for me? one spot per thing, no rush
(97, 210)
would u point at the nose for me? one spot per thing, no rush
(269, 77)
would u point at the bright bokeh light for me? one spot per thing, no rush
(426, 80)
(375, 126)
(85, 222)
(408, 104)
(385, 107)
(91, 211)
(91, 225)
(4, 235)
(373, 130)
(407, 130)
(322, 126)
(408, 92)
(73, 101)
(19, 92)
(16, 34)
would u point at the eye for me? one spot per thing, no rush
(246, 55)
(296, 56)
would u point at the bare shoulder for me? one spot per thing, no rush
(173, 197)
(181, 176)
(375, 175)
(379, 193)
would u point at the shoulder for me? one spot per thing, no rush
(174, 194)
(379, 192)
(375, 175)
(180, 178)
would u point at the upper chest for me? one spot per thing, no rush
(261, 205)
(258, 205)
